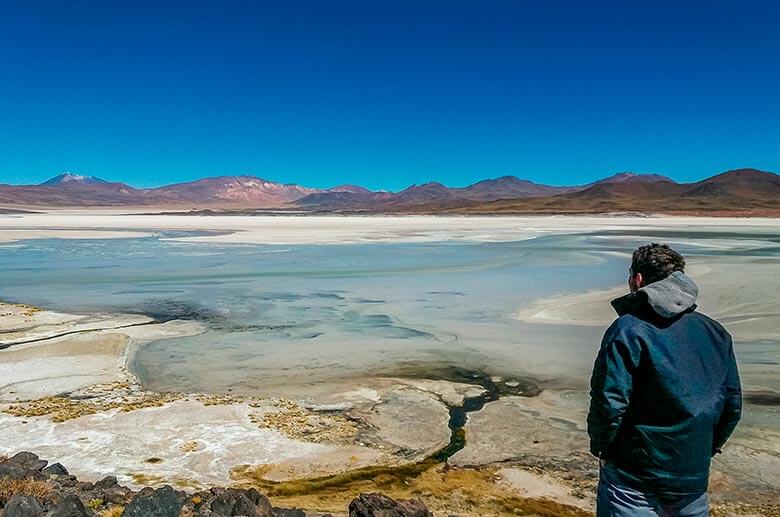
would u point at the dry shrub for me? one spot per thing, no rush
(114, 511)
(41, 490)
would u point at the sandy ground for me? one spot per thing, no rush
(540, 485)
(336, 229)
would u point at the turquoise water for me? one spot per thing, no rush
(282, 319)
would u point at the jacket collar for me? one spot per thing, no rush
(666, 298)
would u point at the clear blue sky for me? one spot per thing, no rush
(385, 94)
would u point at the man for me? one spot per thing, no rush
(665, 394)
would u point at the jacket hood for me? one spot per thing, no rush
(669, 297)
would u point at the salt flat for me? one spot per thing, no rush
(339, 229)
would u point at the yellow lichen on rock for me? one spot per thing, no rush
(63, 408)
(298, 422)
(114, 511)
(190, 446)
(220, 400)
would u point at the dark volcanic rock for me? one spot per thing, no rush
(378, 505)
(230, 502)
(162, 502)
(106, 482)
(258, 499)
(116, 495)
(84, 486)
(63, 495)
(27, 460)
(70, 506)
(55, 469)
(23, 506)
(13, 471)
(66, 481)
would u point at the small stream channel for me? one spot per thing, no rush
(494, 390)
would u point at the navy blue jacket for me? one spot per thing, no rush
(665, 390)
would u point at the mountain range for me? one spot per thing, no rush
(741, 191)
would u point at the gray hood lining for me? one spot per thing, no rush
(674, 294)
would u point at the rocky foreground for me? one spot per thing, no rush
(30, 487)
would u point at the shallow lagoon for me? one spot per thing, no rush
(286, 320)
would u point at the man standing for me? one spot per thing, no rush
(665, 394)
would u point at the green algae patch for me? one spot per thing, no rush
(443, 489)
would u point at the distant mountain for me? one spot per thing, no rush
(632, 177)
(741, 191)
(421, 193)
(68, 178)
(230, 190)
(354, 189)
(338, 201)
(71, 193)
(744, 182)
(506, 187)
(509, 187)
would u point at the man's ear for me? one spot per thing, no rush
(639, 281)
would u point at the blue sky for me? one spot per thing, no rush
(386, 94)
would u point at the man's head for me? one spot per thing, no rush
(652, 263)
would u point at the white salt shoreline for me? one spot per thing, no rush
(335, 229)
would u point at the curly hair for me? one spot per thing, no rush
(656, 262)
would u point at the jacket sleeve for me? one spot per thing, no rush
(732, 407)
(610, 388)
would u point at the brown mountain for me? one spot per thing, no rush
(741, 182)
(506, 187)
(68, 178)
(245, 191)
(224, 191)
(509, 187)
(632, 177)
(355, 189)
(343, 201)
(366, 200)
(742, 191)
(70, 194)
(430, 191)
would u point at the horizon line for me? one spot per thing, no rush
(251, 175)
